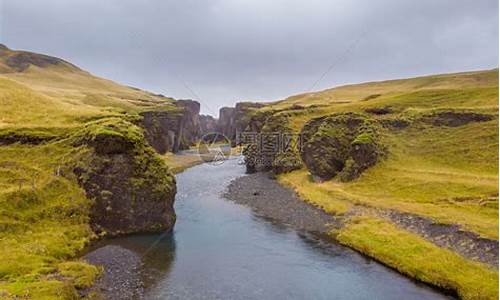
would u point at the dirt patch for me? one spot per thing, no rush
(21, 138)
(370, 97)
(395, 123)
(379, 110)
(455, 118)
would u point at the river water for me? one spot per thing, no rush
(221, 250)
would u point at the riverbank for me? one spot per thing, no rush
(410, 247)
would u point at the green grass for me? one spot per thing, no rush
(447, 174)
(44, 214)
(312, 192)
(44, 221)
(420, 259)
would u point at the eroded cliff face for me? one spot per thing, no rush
(235, 120)
(208, 124)
(190, 124)
(225, 124)
(172, 130)
(130, 185)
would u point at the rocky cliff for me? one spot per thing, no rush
(130, 185)
(208, 124)
(234, 120)
(225, 124)
(174, 129)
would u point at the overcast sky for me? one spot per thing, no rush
(223, 51)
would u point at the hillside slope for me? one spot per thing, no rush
(438, 136)
(77, 163)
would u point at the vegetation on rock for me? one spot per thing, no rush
(71, 148)
(439, 139)
(342, 144)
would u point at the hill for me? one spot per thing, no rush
(388, 157)
(76, 164)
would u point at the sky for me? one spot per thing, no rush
(220, 52)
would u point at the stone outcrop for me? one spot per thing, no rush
(130, 185)
(274, 148)
(208, 124)
(342, 145)
(225, 124)
(235, 120)
(190, 123)
(172, 130)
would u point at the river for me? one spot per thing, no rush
(222, 250)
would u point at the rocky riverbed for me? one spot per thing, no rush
(270, 199)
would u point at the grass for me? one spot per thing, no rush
(178, 163)
(44, 214)
(447, 174)
(308, 190)
(420, 259)
(44, 222)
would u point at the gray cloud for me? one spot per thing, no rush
(224, 51)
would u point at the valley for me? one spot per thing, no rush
(401, 174)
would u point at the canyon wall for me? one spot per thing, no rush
(172, 130)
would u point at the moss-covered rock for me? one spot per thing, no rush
(341, 144)
(132, 188)
(273, 147)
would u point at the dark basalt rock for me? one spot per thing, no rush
(340, 144)
(162, 130)
(455, 118)
(172, 130)
(208, 124)
(190, 127)
(235, 120)
(225, 124)
(275, 148)
(132, 188)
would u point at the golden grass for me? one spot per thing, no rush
(179, 163)
(51, 97)
(420, 259)
(43, 221)
(43, 211)
(449, 174)
(382, 90)
(312, 193)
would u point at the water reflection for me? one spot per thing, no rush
(156, 251)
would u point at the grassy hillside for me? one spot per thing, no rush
(447, 173)
(56, 94)
(44, 213)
